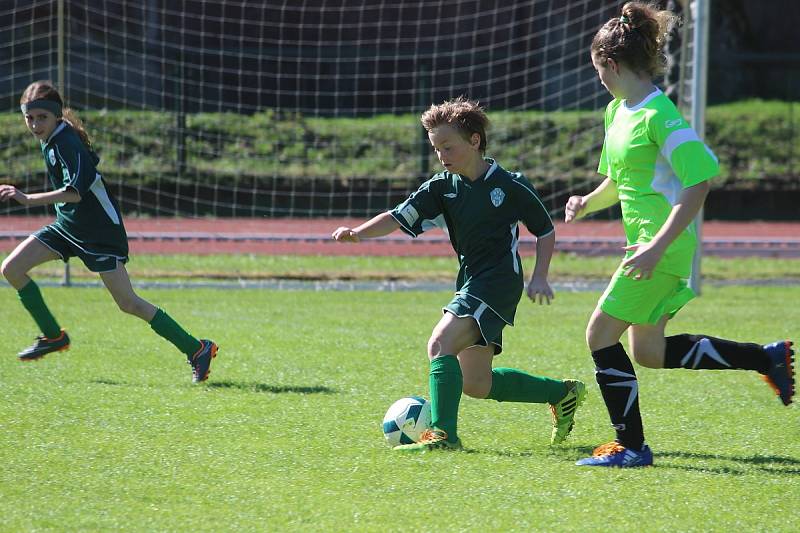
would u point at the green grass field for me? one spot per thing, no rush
(286, 433)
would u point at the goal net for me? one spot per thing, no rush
(234, 108)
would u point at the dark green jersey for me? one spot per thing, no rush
(95, 221)
(481, 218)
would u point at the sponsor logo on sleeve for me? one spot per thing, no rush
(51, 156)
(450, 194)
(410, 214)
(669, 124)
(462, 303)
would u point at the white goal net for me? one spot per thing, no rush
(292, 108)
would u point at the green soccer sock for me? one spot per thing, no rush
(32, 300)
(445, 383)
(164, 325)
(512, 385)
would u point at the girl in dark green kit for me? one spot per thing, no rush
(88, 225)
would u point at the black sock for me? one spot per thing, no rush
(701, 352)
(620, 389)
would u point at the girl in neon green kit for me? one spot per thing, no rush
(658, 169)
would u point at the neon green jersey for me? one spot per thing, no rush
(652, 154)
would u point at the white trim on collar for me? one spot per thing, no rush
(491, 169)
(55, 132)
(643, 103)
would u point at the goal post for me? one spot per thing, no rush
(700, 13)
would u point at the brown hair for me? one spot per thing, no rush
(636, 38)
(45, 90)
(466, 116)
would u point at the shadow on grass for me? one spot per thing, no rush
(243, 386)
(275, 389)
(566, 452)
(771, 464)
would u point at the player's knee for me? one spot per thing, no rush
(647, 357)
(592, 335)
(126, 306)
(594, 340)
(9, 269)
(476, 388)
(434, 346)
(129, 305)
(5, 268)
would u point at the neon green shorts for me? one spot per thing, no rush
(645, 301)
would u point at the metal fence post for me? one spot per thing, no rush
(62, 88)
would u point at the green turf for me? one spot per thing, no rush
(564, 267)
(286, 433)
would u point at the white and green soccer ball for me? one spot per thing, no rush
(406, 419)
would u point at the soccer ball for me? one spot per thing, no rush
(406, 419)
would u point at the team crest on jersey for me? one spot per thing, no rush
(51, 155)
(497, 196)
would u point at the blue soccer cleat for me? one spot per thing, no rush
(614, 454)
(201, 360)
(781, 370)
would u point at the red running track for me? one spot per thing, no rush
(312, 236)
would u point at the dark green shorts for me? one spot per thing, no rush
(489, 322)
(96, 260)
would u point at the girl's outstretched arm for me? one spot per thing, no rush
(66, 195)
(377, 226)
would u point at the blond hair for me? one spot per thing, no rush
(466, 116)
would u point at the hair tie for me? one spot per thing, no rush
(624, 20)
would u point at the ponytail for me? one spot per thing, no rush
(71, 118)
(637, 37)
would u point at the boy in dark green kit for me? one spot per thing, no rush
(88, 225)
(480, 205)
